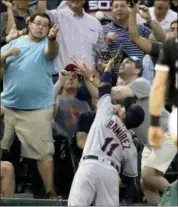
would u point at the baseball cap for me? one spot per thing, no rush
(135, 116)
(135, 59)
(71, 67)
(137, 62)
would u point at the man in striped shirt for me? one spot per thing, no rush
(119, 27)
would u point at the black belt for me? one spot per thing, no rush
(93, 157)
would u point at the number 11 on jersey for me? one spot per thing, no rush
(109, 146)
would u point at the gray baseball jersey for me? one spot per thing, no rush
(108, 138)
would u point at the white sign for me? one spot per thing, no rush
(100, 5)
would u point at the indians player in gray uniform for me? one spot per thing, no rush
(109, 145)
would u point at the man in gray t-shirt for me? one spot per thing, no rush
(138, 89)
(141, 89)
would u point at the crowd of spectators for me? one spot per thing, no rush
(52, 56)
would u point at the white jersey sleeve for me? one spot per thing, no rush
(105, 107)
(130, 166)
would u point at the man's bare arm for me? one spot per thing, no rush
(57, 88)
(6, 54)
(42, 6)
(52, 47)
(143, 43)
(158, 33)
(81, 138)
(10, 16)
(1, 72)
(93, 90)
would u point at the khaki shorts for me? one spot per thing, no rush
(34, 130)
(160, 158)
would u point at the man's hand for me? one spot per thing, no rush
(83, 70)
(14, 51)
(63, 76)
(7, 4)
(155, 136)
(13, 34)
(144, 12)
(133, 8)
(109, 66)
(53, 32)
(110, 37)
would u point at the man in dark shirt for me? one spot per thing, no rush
(20, 12)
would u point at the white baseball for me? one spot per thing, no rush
(112, 35)
(99, 15)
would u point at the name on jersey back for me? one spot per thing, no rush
(119, 133)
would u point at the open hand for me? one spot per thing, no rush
(133, 8)
(53, 31)
(155, 136)
(7, 4)
(13, 34)
(82, 69)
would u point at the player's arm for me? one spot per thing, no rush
(82, 130)
(105, 107)
(157, 98)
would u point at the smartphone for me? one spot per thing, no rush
(2, 7)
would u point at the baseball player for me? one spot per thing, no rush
(166, 79)
(163, 150)
(109, 145)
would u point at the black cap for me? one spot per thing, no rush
(135, 116)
